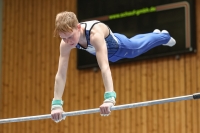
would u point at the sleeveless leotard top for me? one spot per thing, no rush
(111, 41)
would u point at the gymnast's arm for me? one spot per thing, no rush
(98, 41)
(60, 78)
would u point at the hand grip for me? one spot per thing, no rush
(196, 96)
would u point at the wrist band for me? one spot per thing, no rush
(108, 95)
(57, 102)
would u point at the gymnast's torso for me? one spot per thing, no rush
(111, 41)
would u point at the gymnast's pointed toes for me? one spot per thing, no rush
(171, 42)
(156, 31)
(164, 31)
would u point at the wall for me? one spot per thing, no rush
(30, 60)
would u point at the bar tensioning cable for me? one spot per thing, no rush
(96, 110)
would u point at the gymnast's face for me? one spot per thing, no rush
(71, 38)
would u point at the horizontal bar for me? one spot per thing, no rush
(96, 110)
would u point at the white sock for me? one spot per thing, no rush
(164, 31)
(156, 31)
(171, 42)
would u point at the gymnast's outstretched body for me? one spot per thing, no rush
(97, 38)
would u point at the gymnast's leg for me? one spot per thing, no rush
(150, 40)
(141, 43)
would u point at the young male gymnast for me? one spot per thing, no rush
(97, 38)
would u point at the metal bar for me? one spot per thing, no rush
(1, 20)
(96, 110)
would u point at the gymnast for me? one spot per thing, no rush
(97, 38)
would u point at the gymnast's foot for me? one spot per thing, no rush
(171, 42)
(156, 31)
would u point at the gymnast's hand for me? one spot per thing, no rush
(56, 115)
(105, 109)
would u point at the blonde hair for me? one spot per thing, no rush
(65, 22)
